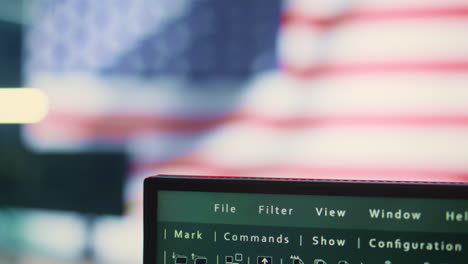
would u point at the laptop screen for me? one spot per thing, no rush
(245, 221)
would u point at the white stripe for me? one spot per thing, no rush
(92, 94)
(396, 93)
(400, 147)
(392, 40)
(405, 40)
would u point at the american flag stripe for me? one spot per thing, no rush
(377, 68)
(243, 147)
(123, 126)
(297, 17)
(297, 171)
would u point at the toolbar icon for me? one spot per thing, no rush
(199, 259)
(179, 259)
(296, 260)
(319, 261)
(264, 260)
(236, 259)
(343, 262)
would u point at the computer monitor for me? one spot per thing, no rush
(209, 220)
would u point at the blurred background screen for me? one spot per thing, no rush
(66, 181)
(334, 89)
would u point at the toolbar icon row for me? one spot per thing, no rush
(238, 258)
(181, 259)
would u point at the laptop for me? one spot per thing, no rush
(215, 220)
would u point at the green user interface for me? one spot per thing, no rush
(247, 228)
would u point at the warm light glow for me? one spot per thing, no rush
(22, 105)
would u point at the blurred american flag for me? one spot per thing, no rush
(334, 89)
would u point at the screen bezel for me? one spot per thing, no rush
(282, 186)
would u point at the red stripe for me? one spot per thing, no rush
(121, 126)
(201, 166)
(297, 17)
(325, 70)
